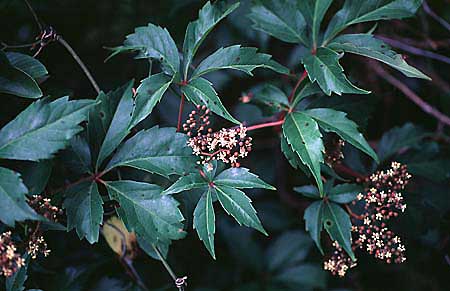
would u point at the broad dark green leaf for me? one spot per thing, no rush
(319, 10)
(198, 30)
(201, 92)
(282, 19)
(238, 205)
(323, 67)
(13, 196)
(34, 68)
(185, 183)
(293, 159)
(42, 129)
(356, 11)
(290, 248)
(119, 119)
(15, 81)
(244, 59)
(153, 42)
(84, 207)
(35, 175)
(149, 247)
(369, 46)
(399, 138)
(16, 281)
(240, 178)
(271, 96)
(205, 220)
(303, 135)
(308, 191)
(308, 276)
(338, 225)
(344, 193)
(156, 150)
(146, 211)
(77, 156)
(336, 121)
(149, 93)
(313, 221)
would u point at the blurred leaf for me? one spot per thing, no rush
(35, 176)
(156, 150)
(308, 191)
(436, 170)
(337, 121)
(201, 92)
(208, 17)
(303, 276)
(313, 221)
(119, 239)
(271, 96)
(324, 67)
(27, 64)
(204, 221)
(303, 135)
(369, 46)
(16, 82)
(398, 138)
(42, 129)
(84, 208)
(12, 194)
(240, 178)
(344, 193)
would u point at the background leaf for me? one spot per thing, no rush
(204, 220)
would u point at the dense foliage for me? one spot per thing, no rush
(315, 178)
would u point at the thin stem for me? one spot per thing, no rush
(354, 215)
(36, 19)
(299, 81)
(427, 108)
(436, 17)
(80, 62)
(268, 124)
(180, 112)
(168, 268)
(7, 46)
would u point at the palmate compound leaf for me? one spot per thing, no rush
(208, 17)
(152, 42)
(156, 150)
(323, 67)
(282, 19)
(146, 211)
(201, 92)
(15, 81)
(244, 59)
(356, 11)
(331, 120)
(13, 206)
(369, 46)
(43, 128)
(303, 135)
(205, 220)
(84, 207)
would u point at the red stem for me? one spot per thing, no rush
(180, 112)
(299, 81)
(268, 124)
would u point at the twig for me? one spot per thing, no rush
(414, 50)
(179, 282)
(8, 46)
(60, 39)
(36, 19)
(180, 112)
(436, 17)
(410, 94)
(299, 81)
(354, 215)
(268, 124)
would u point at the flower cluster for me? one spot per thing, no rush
(10, 260)
(227, 145)
(382, 200)
(333, 151)
(36, 246)
(44, 207)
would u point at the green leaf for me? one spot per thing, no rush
(148, 247)
(149, 93)
(84, 207)
(35, 176)
(185, 183)
(34, 68)
(156, 150)
(271, 96)
(13, 206)
(293, 159)
(153, 42)
(201, 92)
(324, 67)
(77, 157)
(309, 276)
(42, 129)
(198, 30)
(338, 225)
(16, 281)
(344, 193)
(115, 121)
(399, 138)
(238, 205)
(313, 221)
(303, 135)
(240, 178)
(369, 46)
(146, 211)
(282, 19)
(235, 57)
(307, 90)
(320, 8)
(15, 81)
(204, 221)
(356, 11)
(331, 120)
(309, 191)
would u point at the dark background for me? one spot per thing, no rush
(90, 26)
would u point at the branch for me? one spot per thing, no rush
(436, 17)
(179, 282)
(180, 112)
(427, 108)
